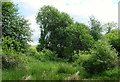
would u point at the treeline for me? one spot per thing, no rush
(94, 47)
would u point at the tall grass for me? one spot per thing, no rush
(50, 70)
(13, 74)
(38, 70)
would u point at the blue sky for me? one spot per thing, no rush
(79, 10)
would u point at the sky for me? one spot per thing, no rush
(80, 10)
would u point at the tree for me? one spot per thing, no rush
(109, 26)
(15, 29)
(60, 34)
(114, 39)
(78, 38)
(95, 28)
(52, 24)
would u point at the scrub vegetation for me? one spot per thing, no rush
(67, 50)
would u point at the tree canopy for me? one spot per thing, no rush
(59, 32)
(95, 28)
(15, 29)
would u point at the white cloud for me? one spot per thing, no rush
(104, 10)
(80, 10)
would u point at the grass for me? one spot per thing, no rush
(13, 74)
(50, 70)
(38, 70)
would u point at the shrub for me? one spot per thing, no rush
(80, 57)
(10, 62)
(100, 58)
(46, 54)
(112, 73)
(13, 61)
(43, 55)
(103, 58)
(114, 39)
(32, 52)
(7, 45)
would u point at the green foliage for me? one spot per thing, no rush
(60, 34)
(48, 70)
(43, 55)
(1, 50)
(64, 68)
(111, 74)
(13, 74)
(53, 24)
(32, 52)
(79, 37)
(14, 28)
(10, 62)
(46, 55)
(102, 57)
(107, 27)
(13, 61)
(60, 37)
(80, 58)
(39, 71)
(7, 45)
(96, 28)
(114, 40)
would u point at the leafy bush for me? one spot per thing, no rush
(103, 58)
(10, 62)
(114, 39)
(7, 45)
(100, 58)
(80, 57)
(43, 55)
(32, 52)
(13, 61)
(46, 54)
(112, 74)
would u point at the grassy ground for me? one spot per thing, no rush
(37, 70)
(51, 70)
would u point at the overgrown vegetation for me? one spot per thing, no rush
(65, 47)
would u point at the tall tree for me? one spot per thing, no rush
(95, 28)
(60, 34)
(15, 29)
(52, 23)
